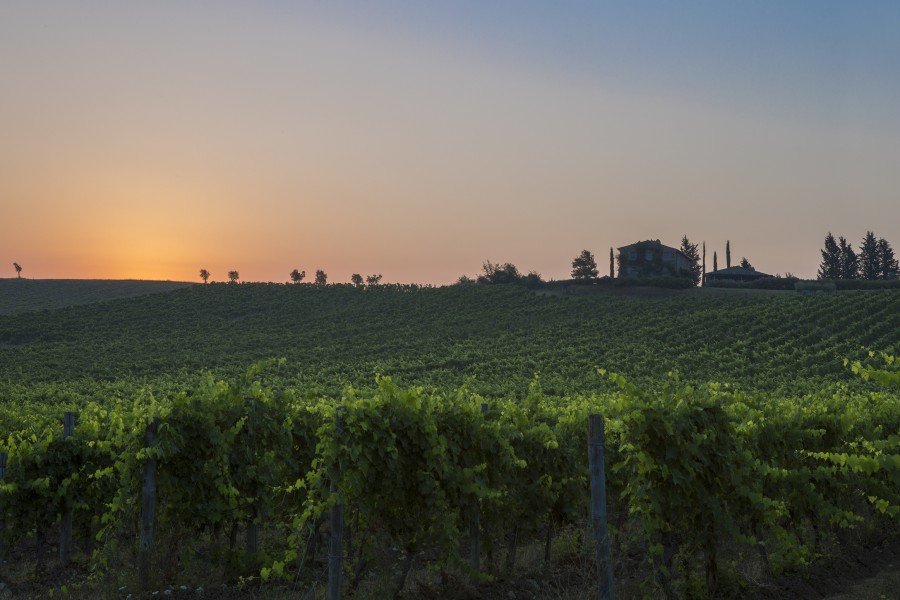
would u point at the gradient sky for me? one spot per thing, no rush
(416, 140)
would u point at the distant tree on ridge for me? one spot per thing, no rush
(690, 250)
(612, 263)
(497, 273)
(18, 269)
(297, 276)
(849, 260)
(321, 277)
(233, 276)
(584, 266)
(703, 266)
(745, 264)
(869, 257)
(356, 279)
(204, 275)
(830, 267)
(889, 265)
(727, 254)
(375, 279)
(715, 261)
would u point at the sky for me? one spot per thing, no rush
(418, 139)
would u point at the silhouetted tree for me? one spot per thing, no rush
(233, 276)
(830, 268)
(497, 273)
(297, 276)
(533, 279)
(204, 275)
(869, 257)
(889, 266)
(745, 264)
(375, 279)
(715, 261)
(612, 264)
(464, 280)
(321, 277)
(690, 250)
(703, 266)
(584, 266)
(18, 269)
(356, 279)
(849, 261)
(727, 254)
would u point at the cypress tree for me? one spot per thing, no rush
(715, 261)
(849, 261)
(869, 257)
(889, 266)
(612, 269)
(727, 254)
(703, 269)
(830, 268)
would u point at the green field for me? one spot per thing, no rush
(746, 433)
(26, 295)
(495, 338)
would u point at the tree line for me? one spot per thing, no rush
(297, 276)
(875, 259)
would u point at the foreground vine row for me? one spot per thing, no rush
(697, 476)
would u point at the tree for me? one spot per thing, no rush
(830, 268)
(321, 277)
(18, 269)
(233, 276)
(497, 273)
(849, 261)
(204, 275)
(889, 266)
(356, 279)
(375, 279)
(727, 254)
(298, 276)
(703, 266)
(869, 257)
(532, 280)
(612, 264)
(745, 264)
(690, 250)
(584, 266)
(464, 280)
(715, 261)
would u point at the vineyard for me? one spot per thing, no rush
(22, 295)
(745, 438)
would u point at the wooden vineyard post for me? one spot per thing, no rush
(148, 510)
(336, 541)
(252, 539)
(597, 468)
(3, 457)
(475, 524)
(65, 527)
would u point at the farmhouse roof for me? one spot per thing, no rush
(655, 243)
(737, 272)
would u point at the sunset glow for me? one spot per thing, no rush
(149, 140)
